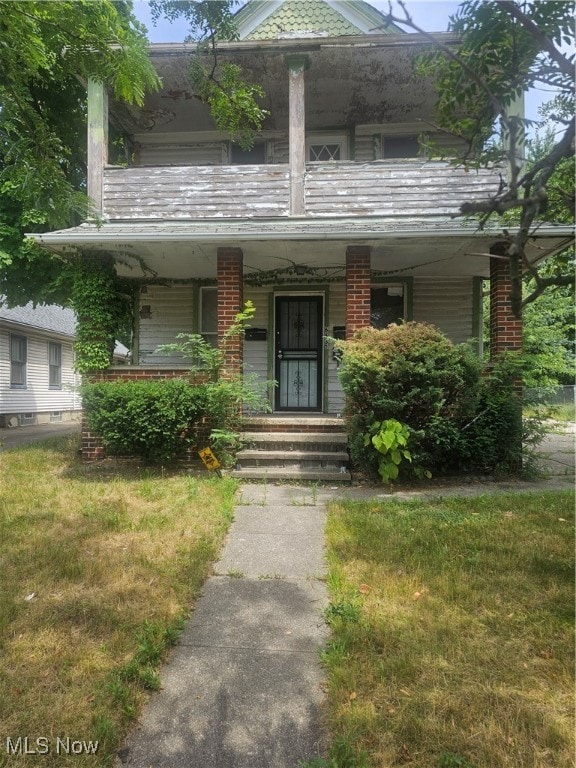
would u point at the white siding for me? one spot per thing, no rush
(181, 154)
(256, 352)
(37, 397)
(336, 316)
(446, 303)
(171, 313)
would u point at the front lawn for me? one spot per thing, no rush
(452, 633)
(98, 570)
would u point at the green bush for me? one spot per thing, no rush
(153, 420)
(414, 374)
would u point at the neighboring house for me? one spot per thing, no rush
(38, 383)
(334, 220)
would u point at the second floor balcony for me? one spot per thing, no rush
(392, 189)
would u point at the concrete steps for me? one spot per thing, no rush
(311, 448)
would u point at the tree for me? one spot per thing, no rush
(47, 52)
(506, 48)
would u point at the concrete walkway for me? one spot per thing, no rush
(243, 688)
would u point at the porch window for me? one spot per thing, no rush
(386, 305)
(400, 146)
(54, 365)
(256, 155)
(18, 361)
(325, 149)
(209, 315)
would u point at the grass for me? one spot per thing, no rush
(452, 633)
(99, 570)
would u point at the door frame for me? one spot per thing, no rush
(321, 372)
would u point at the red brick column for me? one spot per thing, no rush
(505, 327)
(229, 272)
(357, 288)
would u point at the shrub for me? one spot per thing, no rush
(154, 420)
(414, 374)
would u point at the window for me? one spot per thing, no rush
(54, 365)
(209, 315)
(18, 360)
(400, 146)
(325, 149)
(55, 417)
(256, 155)
(386, 305)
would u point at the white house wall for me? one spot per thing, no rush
(171, 313)
(446, 303)
(37, 398)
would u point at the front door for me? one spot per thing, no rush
(298, 353)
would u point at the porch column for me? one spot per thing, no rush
(296, 132)
(357, 288)
(229, 271)
(505, 327)
(97, 143)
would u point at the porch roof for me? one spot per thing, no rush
(186, 249)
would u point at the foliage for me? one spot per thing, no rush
(411, 373)
(101, 311)
(46, 49)
(234, 102)
(154, 420)
(227, 393)
(390, 439)
(504, 49)
(412, 376)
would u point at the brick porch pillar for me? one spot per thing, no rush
(357, 288)
(505, 327)
(229, 273)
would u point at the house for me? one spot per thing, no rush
(38, 384)
(334, 220)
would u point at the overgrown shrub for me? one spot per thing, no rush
(459, 419)
(153, 420)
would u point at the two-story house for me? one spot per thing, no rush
(334, 220)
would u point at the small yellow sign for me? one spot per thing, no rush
(210, 461)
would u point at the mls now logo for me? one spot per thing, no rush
(24, 745)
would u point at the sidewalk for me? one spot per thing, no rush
(243, 688)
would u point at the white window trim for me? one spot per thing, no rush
(328, 138)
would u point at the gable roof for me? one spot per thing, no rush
(43, 317)
(270, 19)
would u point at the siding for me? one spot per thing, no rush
(392, 188)
(181, 153)
(38, 397)
(256, 352)
(171, 313)
(336, 316)
(188, 192)
(446, 303)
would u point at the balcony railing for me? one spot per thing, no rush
(386, 188)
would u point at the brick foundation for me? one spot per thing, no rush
(230, 302)
(357, 288)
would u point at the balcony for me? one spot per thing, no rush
(391, 189)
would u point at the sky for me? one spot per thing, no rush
(430, 15)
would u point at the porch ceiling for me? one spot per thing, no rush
(349, 81)
(188, 250)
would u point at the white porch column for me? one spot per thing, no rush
(97, 142)
(297, 132)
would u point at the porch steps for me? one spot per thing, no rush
(310, 448)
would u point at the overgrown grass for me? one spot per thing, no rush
(452, 633)
(98, 571)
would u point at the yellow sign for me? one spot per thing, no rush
(210, 461)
